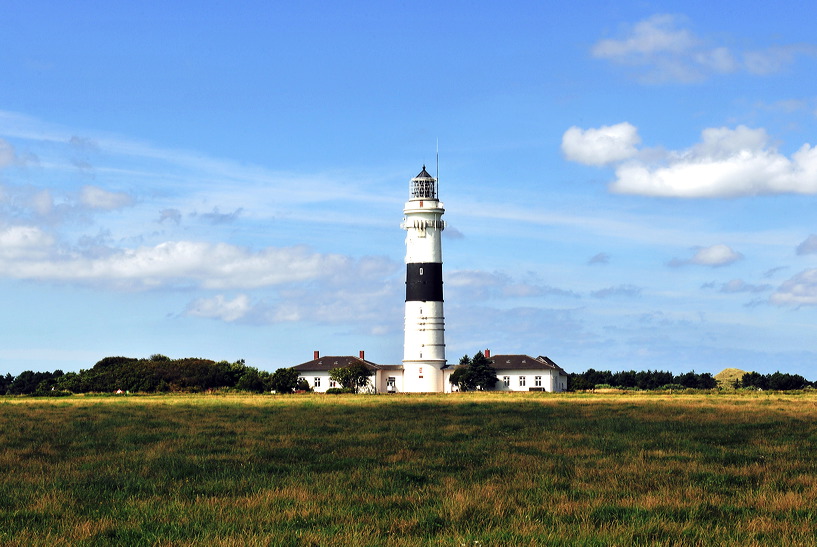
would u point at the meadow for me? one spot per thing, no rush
(460, 469)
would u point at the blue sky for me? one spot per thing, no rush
(628, 185)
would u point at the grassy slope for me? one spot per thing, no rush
(726, 378)
(500, 469)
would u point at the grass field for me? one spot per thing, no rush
(461, 469)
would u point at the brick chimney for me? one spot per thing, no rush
(316, 354)
(487, 354)
(361, 354)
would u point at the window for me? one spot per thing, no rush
(507, 381)
(421, 271)
(537, 381)
(421, 368)
(317, 382)
(391, 381)
(333, 383)
(521, 381)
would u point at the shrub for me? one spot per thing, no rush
(339, 390)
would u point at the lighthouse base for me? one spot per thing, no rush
(427, 376)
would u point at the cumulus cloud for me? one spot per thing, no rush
(808, 246)
(800, 290)
(661, 49)
(602, 146)
(725, 163)
(97, 198)
(715, 255)
(24, 243)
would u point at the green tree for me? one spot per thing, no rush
(474, 373)
(354, 376)
(284, 380)
(251, 381)
(463, 379)
(5, 383)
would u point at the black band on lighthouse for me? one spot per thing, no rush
(424, 282)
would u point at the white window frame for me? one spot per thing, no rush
(522, 381)
(317, 381)
(507, 381)
(537, 381)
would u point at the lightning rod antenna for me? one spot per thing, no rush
(438, 163)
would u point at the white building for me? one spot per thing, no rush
(515, 373)
(525, 373)
(316, 373)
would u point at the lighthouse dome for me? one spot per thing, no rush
(423, 186)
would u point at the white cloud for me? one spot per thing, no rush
(24, 243)
(173, 263)
(97, 198)
(361, 298)
(663, 50)
(800, 290)
(607, 144)
(808, 246)
(725, 163)
(774, 59)
(657, 34)
(715, 255)
(219, 307)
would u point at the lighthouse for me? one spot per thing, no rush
(424, 342)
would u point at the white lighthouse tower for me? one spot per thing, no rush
(424, 343)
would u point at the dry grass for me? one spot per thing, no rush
(494, 468)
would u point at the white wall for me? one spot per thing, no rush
(548, 380)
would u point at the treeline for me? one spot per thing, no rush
(659, 379)
(155, 374)
(778, 381)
